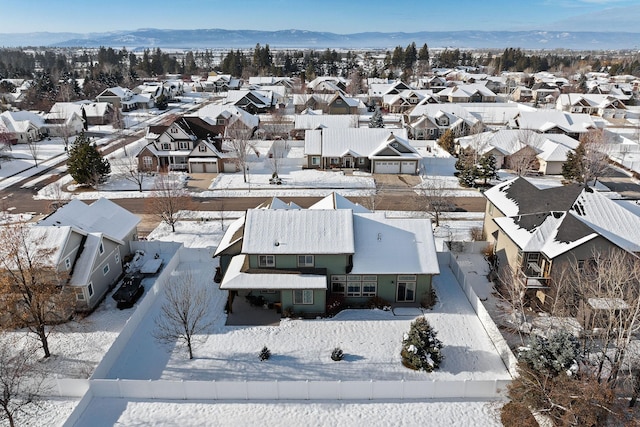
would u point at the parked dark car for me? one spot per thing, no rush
(129, 292)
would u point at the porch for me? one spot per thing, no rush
(244, 313)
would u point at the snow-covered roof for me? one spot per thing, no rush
(20, 121)
(544, 120)
(278, 231)
(363, 141)
(235, 278)
(312, 121)
(231, 236)
(230, 112)
(393, 245)
(85, 262)
(102, 216)
(336, 201)
(555, 220)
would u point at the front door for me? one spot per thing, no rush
(406, 292)
(347, 163)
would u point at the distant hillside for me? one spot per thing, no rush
(217, 38)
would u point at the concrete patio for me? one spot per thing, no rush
(244, 314)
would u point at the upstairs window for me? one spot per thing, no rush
(305, 261)
(266, 261)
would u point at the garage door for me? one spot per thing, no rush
(197, 167)
(387, 167)
(230, 167)
(211, 167)
(408, 167)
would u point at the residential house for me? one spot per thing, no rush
(327, 84)
(536, 232)
(507, 145)
(605, 106)
(23, 126)
(252, 101)
(92, 241)
(476, 92)
(335, 103)
(430, 121)
(299, 260)
(221, 83)
(376, 150)
(407, 99)
(125, 99)
(554, 121)
(377, 91)
(170, 146)
(304, 122)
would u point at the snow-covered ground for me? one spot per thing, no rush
(109, 412)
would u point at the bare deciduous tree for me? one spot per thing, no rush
(604, 293)
(168, 200)
(436, 197)
(238, 137)
(128, 169)
(596, 154)
(185, 313)
(21, 382)
(276, 154)
(524, 160)
(31, 287)
(34, 149)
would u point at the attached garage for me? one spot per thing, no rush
(386, 167)
(203, 165)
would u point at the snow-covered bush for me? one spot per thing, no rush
(337, 354)
(553, 355)
(421, 349)
(265, 354)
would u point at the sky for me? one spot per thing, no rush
(337, 16)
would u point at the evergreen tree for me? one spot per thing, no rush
(421, 349)
(573, 168)
(552, 356)
(85, 164)
(447, 141)
(467, 169)
(486, 168)
(376, 120)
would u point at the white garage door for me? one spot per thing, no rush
(408, 167)
(197, 167)
(230, 167)
(211, 167)
(387, 167)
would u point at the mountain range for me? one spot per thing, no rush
(219, 38)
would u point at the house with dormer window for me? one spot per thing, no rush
(368, 149)
(536, 232)
(170, 145)
(296, 260)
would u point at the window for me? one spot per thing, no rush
(354, 289)
(147, 161)
(369, 289)
(174, 130)
(202, 148)
(80, 296)
(490, 208)
(105, 269)
(165, 146)
(305, 260)
(266, 261)
(67, 263)
(303, 296)
(184, 145)
(90, 289)
(315, 161)
(334, 161)
(338, 284)
(361, 160)
(117, 256)
(101, 248)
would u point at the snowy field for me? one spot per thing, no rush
(110, 412)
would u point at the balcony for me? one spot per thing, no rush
(532, 276)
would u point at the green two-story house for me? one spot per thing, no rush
(298, 259)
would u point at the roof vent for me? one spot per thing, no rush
(276, 244)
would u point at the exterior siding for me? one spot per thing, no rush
(318, 306)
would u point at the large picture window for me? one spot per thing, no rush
(266, 261)
(303, 296)
(355, 285)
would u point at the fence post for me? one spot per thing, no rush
(119, 387)
(307, 382)
(277, 390)
(215, 389)
(246, 390)
(371, 390)
(402, 389)
(339, 389)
